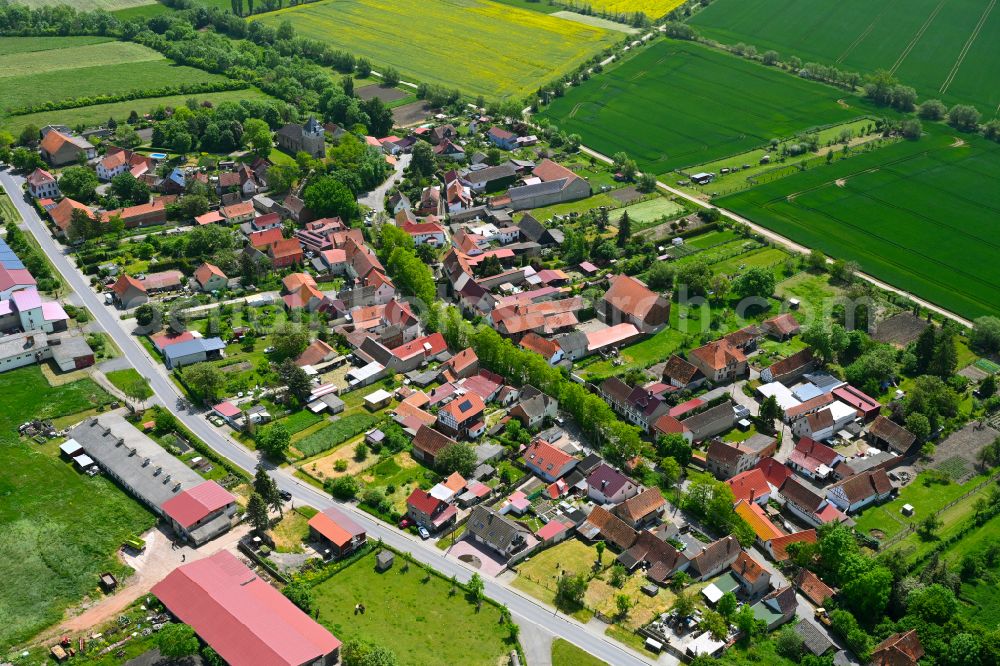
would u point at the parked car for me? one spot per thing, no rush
(404, 523)
(285, 495)
(424, 534)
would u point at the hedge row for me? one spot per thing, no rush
(165, 91)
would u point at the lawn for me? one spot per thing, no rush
(99, 113)
(578, 206)
(126, 380)
(337, 432)
(477, 46)
(292, 530)
(565, 653)
(645, 213)
(58, 529)
(85, 70)
(814, 291)
(940, 48)
(675, 104)
(643, 354)
(919, 215)
(537, 575)
(762, 258)
(925, 498)
(419, 621)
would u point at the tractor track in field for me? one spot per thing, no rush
(916, 37)
(968, 45)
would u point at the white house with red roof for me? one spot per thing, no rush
(43, 185)
(242, 617)
(606, 485)
(463, 416)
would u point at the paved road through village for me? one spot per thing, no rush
(523, 608)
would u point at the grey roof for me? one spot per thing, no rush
(18, 343)
(488, 174)
(814, 639)
(198, 345)
(139, 463)
(537, 189)
(495, 530)
(70, 347)
(702, 419)
(487, 452)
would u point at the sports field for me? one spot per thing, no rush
(947, 49)
(42, 69)
(477, 46)
(676, 104)
(923, 216)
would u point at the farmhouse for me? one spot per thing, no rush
(245, 620)
(129, 292)
(59, 149)
(889, 435)
(720, 361)
(552, 184)
(546, 461)
(856, 492)
(630, 301)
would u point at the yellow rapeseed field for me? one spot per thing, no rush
(654, 9)
(477, 46)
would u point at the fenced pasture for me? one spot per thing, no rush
(675, 104)
(920, 215)
(477, 46)
(944, 48)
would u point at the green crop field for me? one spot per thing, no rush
(11, 45)
(58, 528)
(947, 49)
(675, 104)
(923, 216)
(83, 70)
(477, 46)
(99, 113)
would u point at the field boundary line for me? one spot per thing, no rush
(917, 36)
(968, 46)
(871, 26)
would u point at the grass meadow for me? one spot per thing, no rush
(676, 104)
(33, 74)
(58, 528)
(944, 48)
(923, 216)
(413, 615)
(87, 5)
(477, 46)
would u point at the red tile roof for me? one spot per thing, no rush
(423, 501)
(336, 526)
(758, 520)
(780, 544)
(536, 343)
(543, 457)
(718, 354)
(262, 239)
(430, 345)
(749, 485)
(189, 506)
(243, 618)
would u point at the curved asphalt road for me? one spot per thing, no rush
(522, 607)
